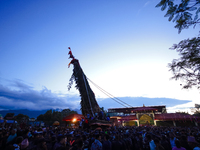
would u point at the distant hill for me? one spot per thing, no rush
(30, 113)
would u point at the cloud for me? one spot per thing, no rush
(171, 104)
(22, 96)
(147, 3)
(19, 95)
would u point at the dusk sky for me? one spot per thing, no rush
(122, 46)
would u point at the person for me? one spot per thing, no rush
(116, 143)
(184, 142)
(165, 143)
(178, 146)
(96, 116)
(61, 142)
(4, 139)
(79, 145)
(193, 143)
(172, 139)
(106, 143)
(10, 147)
(12, 136)
(108, 118)
(158, 145)
(41, 144)
(18, 142)
(24, 144)
(97, 145)
(85, 142)
(88, 116)
(151, 142)
(81, 123)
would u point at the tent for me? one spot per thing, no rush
(73, 117)
(56, 123)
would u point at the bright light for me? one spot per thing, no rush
(74, 120)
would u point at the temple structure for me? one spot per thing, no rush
(150, 115)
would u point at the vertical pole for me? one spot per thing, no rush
(155, 123)
(196, 124)
(138, 123)
(174, 123)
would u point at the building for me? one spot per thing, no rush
(150, 115)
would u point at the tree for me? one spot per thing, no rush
(184, 14)
(196, 110)
(40, 117)
(187, 67)
(21, 118)
(48, 115)
(67, 112)
(51, 116)
(9, 115)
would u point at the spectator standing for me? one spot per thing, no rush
(18, 142)
(152, 145)
(172, 140)
(12, 136)
(178, 146)
(61, 142)
(193, 143)
(107, 145)
(158, 145)
(97, 145)
(165, 143)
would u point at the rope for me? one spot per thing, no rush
(88, 95)
(110, 95)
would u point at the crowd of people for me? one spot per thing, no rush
(113, 138)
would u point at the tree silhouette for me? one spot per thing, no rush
(184, 14)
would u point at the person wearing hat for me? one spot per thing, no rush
(193, 143)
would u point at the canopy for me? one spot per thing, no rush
(56, 123)
(73, 117)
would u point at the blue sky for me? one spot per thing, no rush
(123, 46)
